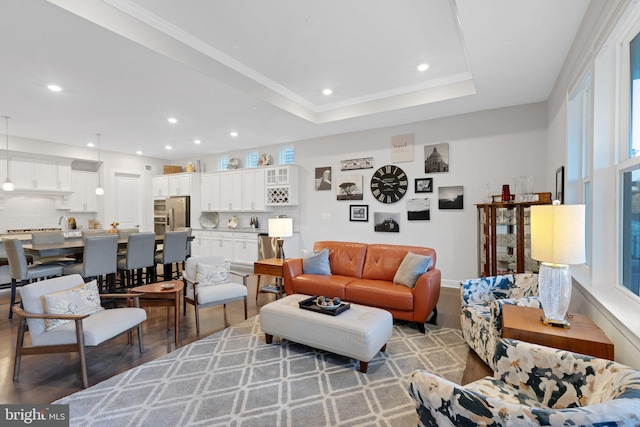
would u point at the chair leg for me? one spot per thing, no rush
(197, 318)
(83, 359)
(258, 288)
(140, 338)
(245, 307)
(14, 285)
(19, 344)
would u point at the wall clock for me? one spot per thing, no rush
(389, 184)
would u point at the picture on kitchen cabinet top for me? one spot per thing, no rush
(436, 158)
(323, 178)
(349, 187)
(451, 197)
(419, 209)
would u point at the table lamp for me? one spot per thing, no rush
(280, 227)
(557, 240)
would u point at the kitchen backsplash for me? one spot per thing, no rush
(23, 212)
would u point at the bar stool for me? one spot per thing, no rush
(174, 251)
(20, 270)
(44, 237)
(123, 234)
(99, 259)
(141, 249)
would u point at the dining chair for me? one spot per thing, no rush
(174, 251)
(189, 233)
(140, 255)
(93, 233)
(21, 272)
(123, 234)
(207, 282)
(47, 237)
(99, 259)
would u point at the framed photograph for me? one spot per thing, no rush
(349, 187)
(323, 178)
(560, 185)
(424, 185)
(451, 197)
(386, 222)
(436, 158)
(363, 163)
(418, 209)
(359, 213)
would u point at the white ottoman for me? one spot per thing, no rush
(360, 332)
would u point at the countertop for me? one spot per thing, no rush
(234, 230)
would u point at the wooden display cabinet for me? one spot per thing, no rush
(504, 240)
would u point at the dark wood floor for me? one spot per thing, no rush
(45, 378)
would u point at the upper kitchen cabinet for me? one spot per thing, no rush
(253, 194)
(210, 192)
(281, 187)
(160, 186)
(180, 184)
(231, 191)
(40, 174)
(83, 198)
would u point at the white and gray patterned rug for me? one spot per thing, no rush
(233, 378)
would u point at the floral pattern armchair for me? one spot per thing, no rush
(533, 385)
(481, 312)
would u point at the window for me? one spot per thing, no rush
(252, 159)
(223, 163)
(631, 229)
(634, 140)
(287, 155)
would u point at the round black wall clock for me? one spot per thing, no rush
(389, 184)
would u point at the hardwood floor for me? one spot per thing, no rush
(45, 378)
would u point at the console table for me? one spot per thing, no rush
(584, 337)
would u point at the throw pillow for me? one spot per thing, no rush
(83, 299)
(412, 267)
(316, 262)
(212, 274)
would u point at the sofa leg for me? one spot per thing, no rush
(434, 317)
(421, 328)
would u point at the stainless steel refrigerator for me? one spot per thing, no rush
(178, 213)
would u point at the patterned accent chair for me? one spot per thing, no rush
(533, 385)
(481, 312)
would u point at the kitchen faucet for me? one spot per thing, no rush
(66, 221)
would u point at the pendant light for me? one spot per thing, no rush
(99, 189)
(7, 185)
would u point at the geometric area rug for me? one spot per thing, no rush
(233, 378)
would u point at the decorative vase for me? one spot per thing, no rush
(506, 193)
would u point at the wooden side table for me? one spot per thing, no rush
(584, 336)
(269, 267)
(155, 295)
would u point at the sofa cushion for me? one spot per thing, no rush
(382, 261)
(316, 262)
(82, 299)
(315, 284)
(411, 268)
(345, 258)
(380, 293)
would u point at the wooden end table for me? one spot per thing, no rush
(584, 336)
(157, 296)
(270, 267)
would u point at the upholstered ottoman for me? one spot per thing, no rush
(360, 332)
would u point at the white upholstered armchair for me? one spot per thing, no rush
(481, 312)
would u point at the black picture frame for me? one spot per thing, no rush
(359, 213)
(423, 185)
(560, 185)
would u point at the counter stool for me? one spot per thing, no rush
(21, 271)
(99, 259)
(140, 253)
(44, 237)
(174, 251)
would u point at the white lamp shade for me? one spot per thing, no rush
(557, 234)
(8, 186)
(280, 227)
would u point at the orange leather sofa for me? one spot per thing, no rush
(363, 274)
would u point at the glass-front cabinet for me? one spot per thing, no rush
(504, 238)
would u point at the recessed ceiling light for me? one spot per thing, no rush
(312, 21)
(233, 134)
(327, 92)
(172, 120)
(255, 107)
(54, 88)
(90, 144)
(196, 141)
(167, 147)
(139, 153)
(423, 67)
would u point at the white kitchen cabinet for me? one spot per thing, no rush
(253, 193)
(245, 248)
(210, 192)
(64, 176)
(201, 244)
(83, 198)
(231, 191)
(281, 185)
(160, 186)
(222, 245)
(36, 174)
(180, 184)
